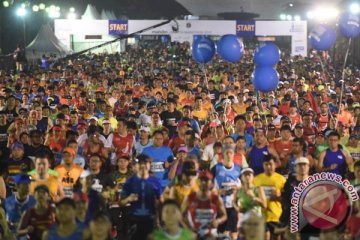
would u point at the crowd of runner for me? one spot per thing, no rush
(149, 144)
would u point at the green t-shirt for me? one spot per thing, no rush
(50, 171)
(184, 234)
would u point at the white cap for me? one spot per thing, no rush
(145, 128)
(246, 90)
(302, 160)
(93, 118)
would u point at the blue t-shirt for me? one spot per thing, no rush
(14, 208)
(195, 151)
(148, 191)
(248, 139)
(227, 179)
(160, 156)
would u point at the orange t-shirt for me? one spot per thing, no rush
(68, 178)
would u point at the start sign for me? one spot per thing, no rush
(118, 27)
(245, 28)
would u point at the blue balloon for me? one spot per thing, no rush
(230, 48)
(322, 37)
(265, 78)
(203, 50)
(267, 54)
(349, 25)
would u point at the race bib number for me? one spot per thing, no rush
(157, 167)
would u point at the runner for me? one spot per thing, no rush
(204, 211)
(66, 227)
(227, 182)
(273, 184)
(171, 218)
(68, 172)
(142, 192)
(35, 221)
(334, 159)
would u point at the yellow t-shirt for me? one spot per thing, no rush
(201, 115)
(274, 209)
(239, 109)
(182, 191)
(68, 178)
(52, 183)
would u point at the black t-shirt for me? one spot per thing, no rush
(11, 114)
(12, 167)
(214, 95)
(168, 117)
(4, 135)
(102, 180)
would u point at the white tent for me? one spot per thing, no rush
(104, 15)
(90, 13)
(112, 15)
(46, 42)
(108, 15)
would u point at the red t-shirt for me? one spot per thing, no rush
(123, 144)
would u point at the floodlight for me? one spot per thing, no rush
(355, 8)
(21, 12)
(35, 8)
(6, 4)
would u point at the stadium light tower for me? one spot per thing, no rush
(21, 12)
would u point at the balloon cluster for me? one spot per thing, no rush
(323, 37)
(229, 48)
(265, 78)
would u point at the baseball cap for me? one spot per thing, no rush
(145, 129)
(183, 148)
(245, 170)
(94, 118)
(106, 121)
(205, 175)
(299, 125)
(302, 160)
(22, 178)
(70, 150)
(183, 123)
(57, 128)
(42, 187)
(188, 168)
(17, 145)
(142, 158)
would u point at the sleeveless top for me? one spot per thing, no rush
(184, 234)
(256, 159)
(201, 213)
(338, 158)
(245, 202)
(40, 222)
(323, 121)
(76, 235)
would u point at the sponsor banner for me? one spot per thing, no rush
(245, 28)
(118, 27)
